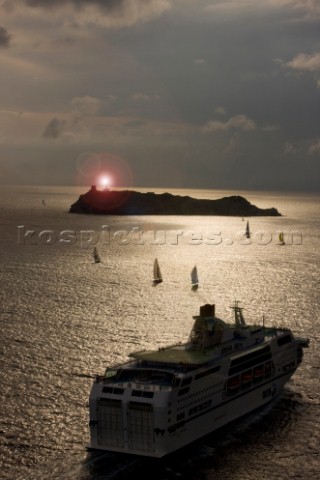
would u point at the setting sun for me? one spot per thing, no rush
(105, 181)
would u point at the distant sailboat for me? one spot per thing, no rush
(281, 239)
(194, 278)
(96, 256)
(247, 234)
(157, 277)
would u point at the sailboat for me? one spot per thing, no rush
(157, 277)
(194, 278)
(247, 234)
(281, 239)
(96, 256)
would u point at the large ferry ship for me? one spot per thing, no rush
(162, 400)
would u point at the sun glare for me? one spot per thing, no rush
(105, 181)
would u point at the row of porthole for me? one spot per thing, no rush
(194, 402)
(186, 399)
(201, 391)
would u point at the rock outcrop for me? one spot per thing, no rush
(127, 202)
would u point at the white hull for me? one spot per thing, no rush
(221, 416)
(157, 442)
(166, 399)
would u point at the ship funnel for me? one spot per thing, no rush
(207, 310)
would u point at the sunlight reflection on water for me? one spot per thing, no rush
(65, 319)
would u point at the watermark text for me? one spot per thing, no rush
(136, 235)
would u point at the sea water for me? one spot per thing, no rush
(64, 319)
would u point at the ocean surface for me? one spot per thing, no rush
(63, 319)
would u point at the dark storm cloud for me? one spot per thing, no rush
(54, 128)
(4, 37)
(107, 5)
(241, 114)
(110, 13)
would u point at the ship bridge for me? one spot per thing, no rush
(210, 338)
(204, 344)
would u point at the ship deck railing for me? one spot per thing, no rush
(271, 332)
(153, 387)
(140, 365)
(123, 376)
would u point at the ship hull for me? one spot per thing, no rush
(139, 432)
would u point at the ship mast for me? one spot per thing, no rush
(238, 315)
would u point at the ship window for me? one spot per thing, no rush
(118, 391)
(180, 416)
(183, 391)
(136, 393)
(226, 349)
(283, 340)
(249, 356)
(146, 376)
(208, 372)
(137, 406)
(107, 390)
(141, 393)
(244, 362)
(249, 363)
(147, 394)
(200, 407)
(115, 391)
(186, 381)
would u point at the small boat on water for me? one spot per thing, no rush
(281, 239)
(157, 277)
(247, 233)
(194, 278)
(161, 400)
(96, 256)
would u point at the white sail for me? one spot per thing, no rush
(96, 256)
(194, 276)
(157, 277)
(281, 239)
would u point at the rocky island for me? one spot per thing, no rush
(127, 202)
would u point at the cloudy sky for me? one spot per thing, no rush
(161, 93)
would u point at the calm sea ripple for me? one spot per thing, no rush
(64, 319)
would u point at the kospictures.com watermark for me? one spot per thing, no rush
(138, 236)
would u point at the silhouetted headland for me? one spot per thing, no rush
(127, 202)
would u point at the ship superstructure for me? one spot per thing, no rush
(162, 400)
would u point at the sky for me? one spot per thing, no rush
(221, 94)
